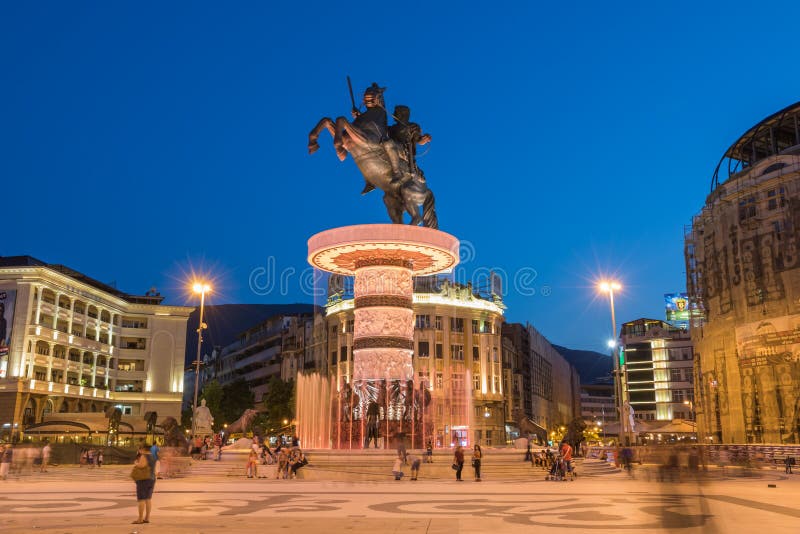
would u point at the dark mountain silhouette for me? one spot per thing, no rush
(591, 365)
(226, 321)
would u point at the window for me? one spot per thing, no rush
(437, 322)
(687, 375)
(488, 327)
(423, 321)
(439, 381)
(457, 352)
(458, 382)
(423, 349)
(351, 326)
(439, 351)
(476, 326)
(476, 353)
(747, 208)
(776, 198)
(675, 375)
(495, 355)
(343, 353)
(678, 395)
(456, 324)
(476, 382)
(334, 356)
(496, 382)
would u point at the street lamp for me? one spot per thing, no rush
(202, 288)
(609, 287)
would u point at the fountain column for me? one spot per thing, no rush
(382, 258)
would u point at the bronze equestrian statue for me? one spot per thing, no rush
(384, 155)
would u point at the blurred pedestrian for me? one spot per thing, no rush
(476, 461)
(458, 462)
(46, 450)
(415, 463)
(397, 468)
(5, 461)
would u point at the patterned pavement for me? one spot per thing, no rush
(79, 500)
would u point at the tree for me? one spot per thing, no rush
(236, 398)
(278, 402)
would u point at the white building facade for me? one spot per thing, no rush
(74, 347)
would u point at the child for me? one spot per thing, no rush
(398, 465)
(252, 464)
(415, 461)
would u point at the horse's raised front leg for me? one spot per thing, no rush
(338, 137)
(325, 122)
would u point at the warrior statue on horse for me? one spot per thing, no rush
(385, 155)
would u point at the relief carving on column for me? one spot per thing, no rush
(382, 281)
(375, 322)
(391, 364)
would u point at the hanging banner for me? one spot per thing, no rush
(8, 299)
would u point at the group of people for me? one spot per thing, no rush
(91, 457)
(287, 460)
(458, 461)
(23, 459)
(201, 448)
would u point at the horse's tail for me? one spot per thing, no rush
(429, 218)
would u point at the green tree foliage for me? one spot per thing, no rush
(236, 398)
(278, 403)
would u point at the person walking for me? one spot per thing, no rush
(46, 450)
(144, 476)
(429, 451)
(415, 462)
(6, 457)
(100, 459)
(476, 461)
(458, 462)
(788, 462)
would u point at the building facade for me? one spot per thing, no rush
(457, 357)
(658, 366)
(280, 346)
(743, 275)
(73, 347)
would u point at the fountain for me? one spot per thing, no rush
(382, 400)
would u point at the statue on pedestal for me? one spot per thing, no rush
(386, 156)
(203, 420)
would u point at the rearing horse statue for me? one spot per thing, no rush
(384, 164)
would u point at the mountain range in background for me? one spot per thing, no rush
(226, 321)
(592, 366)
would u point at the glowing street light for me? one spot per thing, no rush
(609, 287)
(202, 288)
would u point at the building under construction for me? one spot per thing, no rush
(743, 277)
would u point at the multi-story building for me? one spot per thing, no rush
(276, 347)
(73, 347)
(743, 274)
(658, 369)
(457, 356)
(598, 404)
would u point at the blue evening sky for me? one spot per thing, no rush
(142, 140)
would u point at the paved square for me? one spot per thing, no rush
(78, 500)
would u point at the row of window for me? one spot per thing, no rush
(775, 198)
(424, 351)
(423, 322)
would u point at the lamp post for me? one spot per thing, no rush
(609, 287)
(202, 288)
